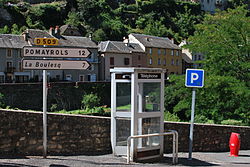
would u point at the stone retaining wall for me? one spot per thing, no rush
(21, 134)
(66, 95)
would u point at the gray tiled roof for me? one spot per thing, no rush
(67, 29)
(77, 41)
(155, 42)
(33, 33)
(12, 41)
(119, 47)
(66, 41)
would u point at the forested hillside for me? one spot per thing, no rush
(104, 19)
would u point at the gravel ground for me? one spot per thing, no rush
(199, 159)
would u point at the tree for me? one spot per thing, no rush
(222, 98)
(224, 40)
(4, 30)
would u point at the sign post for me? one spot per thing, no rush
(194, 79)
(52, 64)
(45, 91)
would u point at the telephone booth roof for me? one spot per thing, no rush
(136, 69)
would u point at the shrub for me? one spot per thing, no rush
(1, 100)
(90, 101)
(53, 108)
(232, 122)
(171, 117)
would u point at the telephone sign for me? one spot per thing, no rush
(194, 78)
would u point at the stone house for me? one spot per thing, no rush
(160, 52)
(10, 56)
(119, 54)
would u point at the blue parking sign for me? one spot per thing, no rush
(194, 78)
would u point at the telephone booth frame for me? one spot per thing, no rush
(137, 107)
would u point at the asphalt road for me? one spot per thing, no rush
(199, 159)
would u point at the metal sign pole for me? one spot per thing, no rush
(191, 125)
(44, 113)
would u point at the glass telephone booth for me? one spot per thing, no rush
(137, 109)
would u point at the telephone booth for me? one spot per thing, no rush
(137, 109)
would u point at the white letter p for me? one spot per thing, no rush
(194, 77)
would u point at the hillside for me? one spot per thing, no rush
(105, 19)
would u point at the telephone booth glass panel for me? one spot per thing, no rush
(123, 97)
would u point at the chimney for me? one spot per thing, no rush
(126, 40)
(51, 31)
(172, 40)
(90, 36)
(57, 32)
(25, 35)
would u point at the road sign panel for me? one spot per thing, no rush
(55, 52)
(54, 65)
(194, 78)
(46, 41)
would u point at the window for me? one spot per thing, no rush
(81, 77)
(111, 61)
(20, 66)
(172, 62)
(9, 53)
(126, 61)
(177, 53)
(9, 64)
(164, 62)
(164, 52)
(139, 57)
(150, 61)
(199, 57)
(159, 51)
(172, 52)
(177, 62)
(21, 78)
(68, 77)
(150, 51)
(1, 78)
(89, 77)
(195, 57)
(159, 61)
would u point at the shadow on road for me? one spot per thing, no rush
(186, 162)
(13, 157)
(15, 165)
(88, 162)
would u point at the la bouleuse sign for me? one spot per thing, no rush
(55, 64)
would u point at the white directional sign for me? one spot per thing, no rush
(194, 78)
(55, 52)
(54, 65)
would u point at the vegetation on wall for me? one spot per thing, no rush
(1, 100)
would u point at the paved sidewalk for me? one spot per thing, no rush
(199, 159)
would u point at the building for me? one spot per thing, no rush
(11, 54)
(212, 5)
(160, 52)
(190, 60)
(119, 54)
